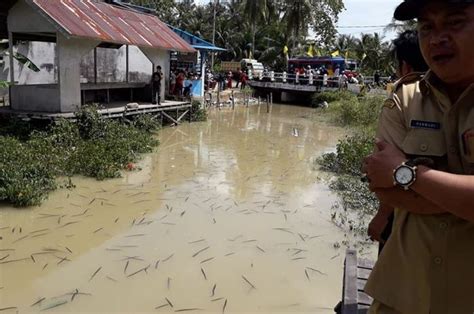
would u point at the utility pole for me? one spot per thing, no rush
(214, 33)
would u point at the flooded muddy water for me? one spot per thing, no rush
(227, 216)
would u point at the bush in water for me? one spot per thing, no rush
(91, 146)
(198, 112)
(357, 204)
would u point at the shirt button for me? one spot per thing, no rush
(438, 260)
(443, 226)
(423, 147)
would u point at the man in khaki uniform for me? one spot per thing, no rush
(426, 149)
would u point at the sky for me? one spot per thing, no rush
(367, 13)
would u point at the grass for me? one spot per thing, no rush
(356, 204)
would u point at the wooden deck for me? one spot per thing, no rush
(356, 273)
(114, 110)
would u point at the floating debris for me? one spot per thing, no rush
(188, 310)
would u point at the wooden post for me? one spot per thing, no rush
(10, 51)
(127, 65)
(218, 97)
(271, 100)
(268, 103)
(233, 101)
(258, 102)
(95, 65)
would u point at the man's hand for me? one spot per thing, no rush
(379, 166)
(377, 226)
(408, 200)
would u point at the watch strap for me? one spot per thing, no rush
(420, 161)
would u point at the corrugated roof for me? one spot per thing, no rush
(109, 23)
(195, 41)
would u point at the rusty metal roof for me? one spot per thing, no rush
(109, 23)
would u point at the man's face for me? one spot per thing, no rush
(446, 41)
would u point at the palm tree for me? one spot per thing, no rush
(298, 18)
(255, 11)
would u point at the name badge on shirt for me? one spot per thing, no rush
(418, 124)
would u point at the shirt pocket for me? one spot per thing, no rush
(424, 143)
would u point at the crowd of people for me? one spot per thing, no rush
(225, 80)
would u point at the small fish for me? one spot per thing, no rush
(95, 273)
(168, 258)
(225, 305)
(306, 273)
(200, 251)
(157, 263)
(203, 274)
(125, 268)
(247, 281)
(161, 306)
(38, 302)
(207, 260)
(213, 292)
(169, 302)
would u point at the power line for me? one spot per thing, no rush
(362, 26)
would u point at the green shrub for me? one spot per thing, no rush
(357, 112)
(331, 96)
(25, 177)
(92, 146)
(349, 155)
(198, 112)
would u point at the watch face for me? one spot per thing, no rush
(404, 175)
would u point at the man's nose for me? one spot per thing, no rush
(439, 37)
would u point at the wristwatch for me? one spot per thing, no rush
(405, 174)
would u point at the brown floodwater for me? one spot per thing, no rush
(228, 215)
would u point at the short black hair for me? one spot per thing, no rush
(406, 48)
(158, 67)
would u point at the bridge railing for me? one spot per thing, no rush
(315, 79)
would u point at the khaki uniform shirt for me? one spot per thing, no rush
(427, 265)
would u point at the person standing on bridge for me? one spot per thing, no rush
(424, 167)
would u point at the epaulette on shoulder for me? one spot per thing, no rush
(408, 79)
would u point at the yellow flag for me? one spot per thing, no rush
(335, 53)
(346, 56)
(311, 51)
(364, 56)
(285, 50)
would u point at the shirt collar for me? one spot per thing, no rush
(430, 83)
